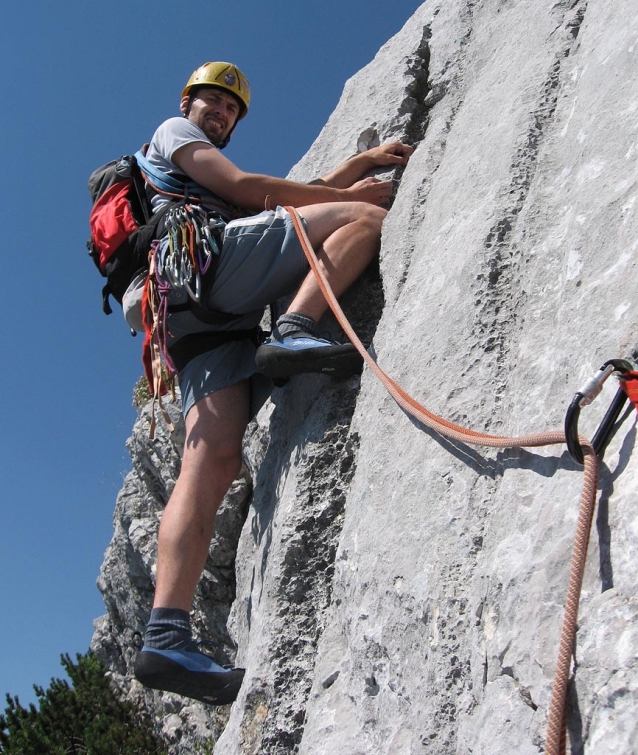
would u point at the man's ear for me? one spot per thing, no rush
(183, 105)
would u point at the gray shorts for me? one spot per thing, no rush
(261, 261)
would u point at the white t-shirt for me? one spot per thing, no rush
(169, 137)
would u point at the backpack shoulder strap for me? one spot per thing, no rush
(165, 183)
(184, 188)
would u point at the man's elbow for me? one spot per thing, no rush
(248, 190)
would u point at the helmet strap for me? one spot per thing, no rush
(189, 104)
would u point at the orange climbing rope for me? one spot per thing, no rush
(556, 728)
(630, 386)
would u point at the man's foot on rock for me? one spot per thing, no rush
(188, 672)
(295, 347)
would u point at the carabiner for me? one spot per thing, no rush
(212, 241)
(584, 397)
(196, 295)
(174, 271)
(203, 255)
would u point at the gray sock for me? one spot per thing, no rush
(168, 629)
(293, 322)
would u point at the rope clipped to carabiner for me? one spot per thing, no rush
(587, 394)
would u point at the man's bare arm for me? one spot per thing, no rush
(389, 155)
(207, 166)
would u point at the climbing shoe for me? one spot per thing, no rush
(188, 672)
(295, 347)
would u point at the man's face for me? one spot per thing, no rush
(214, 111)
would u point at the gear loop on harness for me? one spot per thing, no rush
(586, 396)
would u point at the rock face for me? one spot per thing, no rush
(398, 593)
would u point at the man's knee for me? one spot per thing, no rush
(365, 211)
(226, 469)
(215, 427)
(324, 220)
(373, 216)
(212, 465)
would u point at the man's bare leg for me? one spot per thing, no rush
(212, 459)
(345, 236)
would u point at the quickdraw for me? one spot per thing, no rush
(155, 302)
(586, 395)
(188, 249)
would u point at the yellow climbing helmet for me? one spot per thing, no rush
(224, 75)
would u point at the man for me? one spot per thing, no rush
(261, 261)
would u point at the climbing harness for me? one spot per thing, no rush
(123, 223)
(556, 728)
(185, 259)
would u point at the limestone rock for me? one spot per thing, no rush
(396, 592)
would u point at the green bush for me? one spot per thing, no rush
(82, 718)
(142, 393)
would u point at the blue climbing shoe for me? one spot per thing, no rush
(188, 672)
(282, 356)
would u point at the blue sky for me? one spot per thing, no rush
(81, 84)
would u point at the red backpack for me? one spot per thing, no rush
(122, 224)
